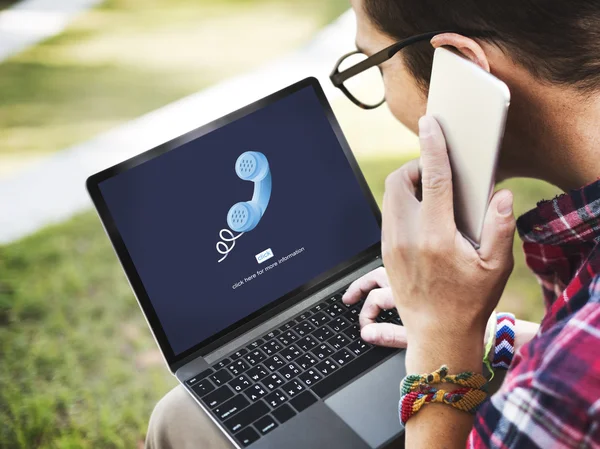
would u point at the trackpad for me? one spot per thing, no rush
(369, 405)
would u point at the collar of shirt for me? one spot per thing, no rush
(561, 240)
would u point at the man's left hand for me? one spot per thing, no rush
(443, 288)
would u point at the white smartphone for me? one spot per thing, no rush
(471, 106)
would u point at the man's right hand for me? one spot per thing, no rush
(375, 287)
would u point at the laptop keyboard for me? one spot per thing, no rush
(256, 389)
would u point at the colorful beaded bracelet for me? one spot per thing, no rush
(464, 399)
(504, 349)
(416, 391)
(414, 382)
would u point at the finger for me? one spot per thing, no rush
(436, 179)
(363, 285)
(378, 300)
(498, 229)
(412, 175)
(401, 200)
(384, 334)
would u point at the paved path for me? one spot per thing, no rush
(31, 21)
(53, 190)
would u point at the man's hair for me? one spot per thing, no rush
(558, 41)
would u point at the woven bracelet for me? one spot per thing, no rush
(417, 390)
(504, 349)
(464, 399)
(414, 382)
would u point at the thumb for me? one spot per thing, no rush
(384, 334)
(498, 229)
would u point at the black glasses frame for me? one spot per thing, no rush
(338, 78)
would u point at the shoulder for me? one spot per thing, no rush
(549, 397)
(562, 362)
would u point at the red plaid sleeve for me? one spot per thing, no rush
(551, 395)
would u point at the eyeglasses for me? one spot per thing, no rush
(360, 78)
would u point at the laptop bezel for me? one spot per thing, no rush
(260, 316)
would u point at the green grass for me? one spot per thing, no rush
(78, 366)
(129, 57)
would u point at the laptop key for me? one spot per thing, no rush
(221, 377)
(240, 383)
(218, 396)
(359, 347)
(247, 436)
(246, 416)
(231, 407)
(338, 341)
(319, 319)
(255, 392)
(203, 387)
(306, 361)
(342, 357)
(272, 347)
(304, 328)
(293, 388)
(257, 373)
(289, 371)
(322, 351)
(265, 424)
(304, 316)
(274, 363)
(307, 343)
(273, 381)
(271, 335)
(353, 332)
(239, 353)
(255, 357)
(290, 353)
(323, 333)
(255, 344)
(335, 310)
(326, 367)
(339, 324)
(310, 377)
(351, 370)
(199, 377)
(275, 398)
(222, 364)
(352, 315)
(288, 325)
(287, 338)
(238, 367)
(319, 307)
(303, 401)
(283, 413)
(331, 300)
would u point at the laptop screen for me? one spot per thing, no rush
(226, 224)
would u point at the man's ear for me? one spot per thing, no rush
(465, 45)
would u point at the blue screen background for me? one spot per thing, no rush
(169, 212)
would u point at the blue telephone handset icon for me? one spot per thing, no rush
(244, 216)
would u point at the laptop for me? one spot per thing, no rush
(239, 239)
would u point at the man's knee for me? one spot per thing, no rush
(178, 423)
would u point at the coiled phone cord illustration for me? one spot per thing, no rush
(226, 236)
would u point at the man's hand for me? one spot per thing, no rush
(375, 287)
(444, 289)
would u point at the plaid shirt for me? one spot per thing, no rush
(550, 397)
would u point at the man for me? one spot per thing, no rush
(548, 53)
